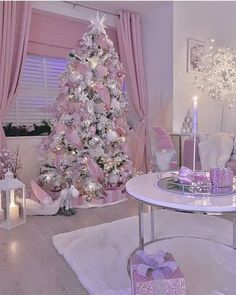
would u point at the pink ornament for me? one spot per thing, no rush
(121, 131)
(101, 72)
(99, 107)
(102, 41)
(81, 68)
(92, 130)
(104, 94)
(73, 138)
(61, 99)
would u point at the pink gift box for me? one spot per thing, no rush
(112, 195)
(156, 274)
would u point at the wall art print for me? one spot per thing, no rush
(195, 50)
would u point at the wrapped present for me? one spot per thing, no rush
(156, 274)
(112, 195)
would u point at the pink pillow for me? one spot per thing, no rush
(164, 141)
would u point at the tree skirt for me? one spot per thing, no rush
(81, 202)
(98, 255)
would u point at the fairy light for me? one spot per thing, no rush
(218, 81)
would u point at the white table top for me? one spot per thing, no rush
(144, 188)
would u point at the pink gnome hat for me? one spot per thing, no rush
(164, 141)
(38, 194)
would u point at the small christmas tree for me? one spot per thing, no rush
(87, 143)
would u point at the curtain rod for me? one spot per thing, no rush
(74, 3)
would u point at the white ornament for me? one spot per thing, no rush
(114, 178)
(112, 136)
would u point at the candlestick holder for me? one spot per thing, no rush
(195, 130)
(194, 151)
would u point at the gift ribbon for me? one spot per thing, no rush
(187, 176)
(156, 264)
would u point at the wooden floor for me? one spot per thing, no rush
(30, 265)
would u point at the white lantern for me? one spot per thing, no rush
(12, 202)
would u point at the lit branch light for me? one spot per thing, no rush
(218, 79)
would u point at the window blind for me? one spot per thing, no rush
(39, 88)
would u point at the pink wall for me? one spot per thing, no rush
(54, 35)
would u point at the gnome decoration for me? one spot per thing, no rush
(67, 194)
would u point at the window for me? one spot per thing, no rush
(38, 89)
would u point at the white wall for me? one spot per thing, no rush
(66, 9)
(158, 61)
(200, 20)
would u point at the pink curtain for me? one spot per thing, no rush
(130, 44)
(14, 31)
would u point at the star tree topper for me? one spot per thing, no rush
(98, 24)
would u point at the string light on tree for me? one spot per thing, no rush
(88, 139)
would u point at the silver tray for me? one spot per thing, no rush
(171, 185)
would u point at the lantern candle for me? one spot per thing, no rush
(195, 129)
(13, 208)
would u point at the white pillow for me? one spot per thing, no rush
(215, 151)
(233, 156)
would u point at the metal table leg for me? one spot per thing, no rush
(234, 231)
(141, 226)
(152, 223)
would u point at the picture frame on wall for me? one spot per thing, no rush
(195, 50)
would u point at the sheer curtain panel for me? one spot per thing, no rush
(130, 44)
(14, 31)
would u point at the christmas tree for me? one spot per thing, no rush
(87, 144)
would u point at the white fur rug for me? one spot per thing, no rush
(98, 255)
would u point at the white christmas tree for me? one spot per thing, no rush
(87, 144)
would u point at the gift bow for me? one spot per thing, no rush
(187, 176)
(156, 264)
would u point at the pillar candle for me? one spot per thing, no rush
(13, 213)
(195, 115)
(13, 208)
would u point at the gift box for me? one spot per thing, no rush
(112, 195)
(156, 274)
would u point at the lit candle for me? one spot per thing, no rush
(13, 209)
(195, 115)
